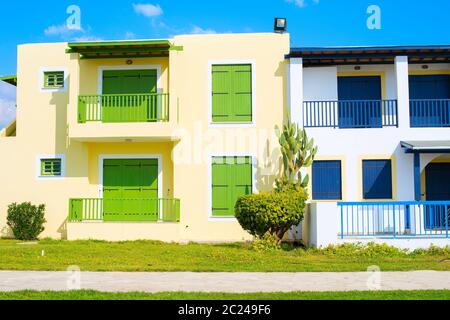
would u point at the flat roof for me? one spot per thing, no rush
(122, 49)
(322, 56)
(429, 146)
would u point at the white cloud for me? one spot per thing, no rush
(56, 30)
(298, 3)
(147, 9)
(7, 112)
(7, 104)
(130, 35)
(87, 38)
(199, 30)
(301, 3)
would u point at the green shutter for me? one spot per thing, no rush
(232, 93)
(131, 107)
(130, 189)
(231, 178)
(54, 79)
(51, 167)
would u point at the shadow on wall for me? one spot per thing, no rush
(282, 72)
(269, 168)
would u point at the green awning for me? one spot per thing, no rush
(122, 49)
(9, 79)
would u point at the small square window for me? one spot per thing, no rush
(51, 167)
(54, 79)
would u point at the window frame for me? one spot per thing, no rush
(52, 89)
(341, 186)
(39, 166)
(392, 182)
(47, 74)
(212, 63)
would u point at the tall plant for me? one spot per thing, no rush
(298, 152)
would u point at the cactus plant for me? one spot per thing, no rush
(298, 152)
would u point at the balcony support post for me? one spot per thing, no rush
(295, 91)
(402, 78)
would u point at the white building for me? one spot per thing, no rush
(381, 119)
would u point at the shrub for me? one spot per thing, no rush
(271, 212)
(268, 242)
(26, 220)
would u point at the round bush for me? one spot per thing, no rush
(271, 212)
(26, 220)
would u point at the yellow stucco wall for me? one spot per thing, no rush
(46, 124)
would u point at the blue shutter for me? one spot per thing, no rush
(326, 180)
(377, 179)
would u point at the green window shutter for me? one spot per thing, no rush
(129, 81)
(231, 178)
(51, 167)
(54, 79)
(232, 93)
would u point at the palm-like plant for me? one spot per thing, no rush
(298, 152)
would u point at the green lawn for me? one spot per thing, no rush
(156, 256)
(354, 295)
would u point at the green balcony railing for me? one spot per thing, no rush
(124, 210)
(116, 108)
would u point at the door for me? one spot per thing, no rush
(435, 91)
(130, 189)
(126, 95)
(437, 189)
(360, 104)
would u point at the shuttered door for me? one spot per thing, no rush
(437, 189)
(326, 180)
(232, 93)
(377, 179)
(231, 178)
(128, 108)
(357, 108)
(130, 189)
(435, 89)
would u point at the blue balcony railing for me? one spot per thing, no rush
(426, 219)
(429, 113)
(348, 114)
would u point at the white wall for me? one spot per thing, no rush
(351, 145)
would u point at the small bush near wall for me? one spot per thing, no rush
(26, 220)
(271, 213)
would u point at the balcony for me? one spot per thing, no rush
(350, 114)
(123, 108)
(394, 220)
(124, 210)
(429, 113)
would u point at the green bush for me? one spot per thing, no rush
(26, 220)
(268, 242)
(271, 212)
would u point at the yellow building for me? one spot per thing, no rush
(150, 139)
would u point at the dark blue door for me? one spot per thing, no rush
(360, 104)
(430, 100)
(437, 189)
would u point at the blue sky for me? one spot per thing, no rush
(310, 23)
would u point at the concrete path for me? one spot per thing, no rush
(223, 282)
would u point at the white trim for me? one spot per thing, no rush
(252, 62)
(42, 70)
(209, 164)
(103, 157)
(50, 156)
(156, 67)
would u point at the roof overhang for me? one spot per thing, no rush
(426, 146)
(329, 56)
(12, 80)
(122, 49)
